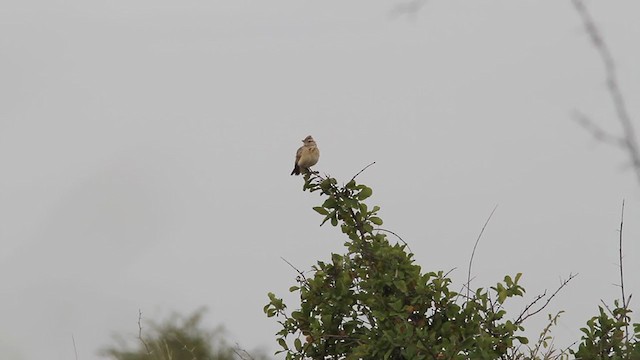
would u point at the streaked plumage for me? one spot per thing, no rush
(306, 156)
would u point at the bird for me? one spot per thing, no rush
(306, 156)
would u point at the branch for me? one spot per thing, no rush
(294, 268)
(597, 132)
(624, 300)
(75, 350)
(242, 353)
(361, 171)
(396, 235)
(628, 139)
(140, 332)
(525, 314)
(624, 303)
(543, 337)
(474, 249)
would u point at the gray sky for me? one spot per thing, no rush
(146, 148)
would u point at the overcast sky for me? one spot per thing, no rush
(146, 147)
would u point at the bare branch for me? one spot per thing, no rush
(624, 298)
(525, 314)
(295, 268)
(628, 138)
(450, 271)
(140, 332)
(624, 301)
(242, 353)
(474, 249)
(75, 349)
(597, 132)
(608, 308)
(396, 235)
(361, 171)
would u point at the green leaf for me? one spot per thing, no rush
(296, 315)
(401, 285)
(376, 220)
(330, 203)
(365, 193)
(397, 305)
(320, 210)
(328, 217)
(283, 344)
(298, 344)
(502, 296)
(363, 208)
(518, 276)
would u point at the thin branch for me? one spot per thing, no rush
(140, 332)
(624, 301)
(474, 249)
(624, 298)
(566, 349)
(295, 268)
(531, 304)
(450, 271)
(363, 169)
(608, 308)
(242, 353)
(543, 336)
(75, 349)
(629, 136)
(597, 132)
(525, 314)
(396, 235)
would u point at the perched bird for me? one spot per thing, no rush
(306, 156)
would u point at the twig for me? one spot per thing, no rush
(242, 353)
(396, 235)
(597, 132)
(543, 336)
(294, 268)
(624, 298)
(75, 350)
(608, 308)
(566, 349)
(628, 138)
(624, 302)
(474, 249)
(360, 172)
(531, 304)
(140, 332)
(525, 314)
(450, 271)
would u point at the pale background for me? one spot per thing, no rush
(146, 145)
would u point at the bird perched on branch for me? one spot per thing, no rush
(306, 156)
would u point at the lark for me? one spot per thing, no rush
(306, 156)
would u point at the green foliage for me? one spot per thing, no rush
(606, 336)
(177, 338)
(374, 302)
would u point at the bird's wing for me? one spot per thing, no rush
(299, 154)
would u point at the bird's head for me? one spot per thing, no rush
(308, 140)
